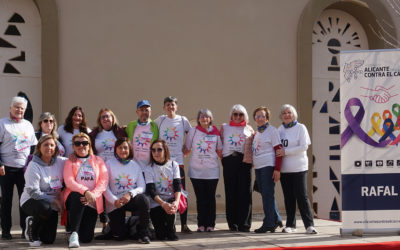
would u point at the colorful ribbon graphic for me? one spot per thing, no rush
(354, 126)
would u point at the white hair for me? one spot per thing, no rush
(288, 106)
(18, 99)
(241, 109)
(206, 112)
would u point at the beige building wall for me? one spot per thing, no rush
(209, 54)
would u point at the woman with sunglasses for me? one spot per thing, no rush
(47, 125)
(204, 141)
(74, 123)
(295, 141)
(125, 192)
(163, 185)
(237, 174)
(85, 179)
(267, 165)
(41, 198)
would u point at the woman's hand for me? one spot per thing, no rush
(280, 152)
(276, 175)
(117, 204)
(169, 208)
(90, 198)
(58, 205)
(125, 199)
(2, 170)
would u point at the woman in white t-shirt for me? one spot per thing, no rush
(237, 174)
(125, 192)
(267, 167)
(204, 141)
(163, 185)
(295, 141)
(74, 123)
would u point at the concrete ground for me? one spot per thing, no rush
(222, 238)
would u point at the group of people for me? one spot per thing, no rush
(80, 173)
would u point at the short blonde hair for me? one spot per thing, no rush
(267, 112)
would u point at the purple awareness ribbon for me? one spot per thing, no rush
(354, 126)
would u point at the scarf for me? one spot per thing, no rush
(234, 124)
(142, 123)
(214, 130)
(14, 119)
(122, 161)
(290, 124)
(263, 127)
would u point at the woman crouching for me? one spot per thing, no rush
(164, 187)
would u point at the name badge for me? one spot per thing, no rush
(147, 135)
(210, 138)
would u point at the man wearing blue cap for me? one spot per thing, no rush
(142, 132)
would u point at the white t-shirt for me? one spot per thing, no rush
(233, 139)
(121, 180)
(295, 141)
(16, 139)
(66, 138)
(141, 143)
(263, 147)
(173, 132)
(162, 177)
(86, 176)
(104, 144)
(204, 162)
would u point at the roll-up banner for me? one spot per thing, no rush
(370, 141)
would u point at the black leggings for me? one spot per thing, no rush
(81, 219)
(45, 219)
(139, 204)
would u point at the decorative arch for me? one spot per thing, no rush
(366, 12)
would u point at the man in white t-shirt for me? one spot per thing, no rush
(172, 128)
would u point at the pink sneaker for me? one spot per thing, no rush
(210, 229)
(200, 229)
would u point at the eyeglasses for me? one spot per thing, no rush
(238, 114)
(78, 143)
(260, 116)
(203, 117)
(46, 121)
(103, 117)
(159, 150)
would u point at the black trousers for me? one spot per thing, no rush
(294, 187)
(238, 196)
(13, 176)
(45, 219)
(81, 219)
(140, 205)
(204, 190)
(164, 224)
(184, 215)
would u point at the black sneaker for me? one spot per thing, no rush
(172, 237)
(28, 228)
(144, 240)
(6, 236)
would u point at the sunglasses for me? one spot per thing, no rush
(78, 143)
(238, 114)
(103, 117)
(159, 150)
(46, 121)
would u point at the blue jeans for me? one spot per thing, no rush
(267, 187)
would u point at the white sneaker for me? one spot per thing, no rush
(287, 230)
(36, 243)
(74, 240)
(311, 230)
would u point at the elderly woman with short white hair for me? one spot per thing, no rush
(204, 141)
(295, 140)
(237, 174)
(16, 138)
